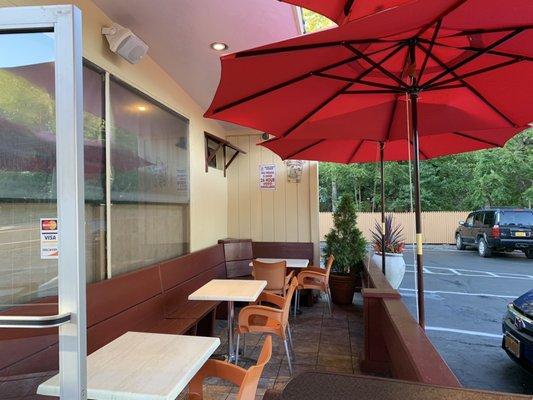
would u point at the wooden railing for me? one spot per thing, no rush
(394, 342)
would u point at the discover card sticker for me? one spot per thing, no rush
(49, 239)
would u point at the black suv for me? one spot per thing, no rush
(497, 229)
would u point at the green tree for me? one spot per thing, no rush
(345, 241)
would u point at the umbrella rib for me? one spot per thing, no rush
(449, 70)
(354, 153)
(420, 150)
(304, 148)
(377, 91)
(391, 120)
(316, 109)
(293, 80)
(472, 89)
(431, 44)
(342, 90)
(495, 30)
(261, 52)
(377, 65)
(476, 139)
(473, 48)
(447, 87)
(452, 8)
(380, 85)
(477, 72)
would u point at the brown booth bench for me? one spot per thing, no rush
(151, 299)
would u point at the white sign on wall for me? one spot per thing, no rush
(267, 176)
(49, 239)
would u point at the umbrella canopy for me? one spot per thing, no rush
(341, 11)
(347, 151)
(470, 60)
(419, 69)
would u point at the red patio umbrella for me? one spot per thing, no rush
(465, 66)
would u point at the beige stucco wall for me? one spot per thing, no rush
(208, 213)
(287, 214)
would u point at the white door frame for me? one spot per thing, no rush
(67, 25)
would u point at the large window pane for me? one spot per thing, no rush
(150, 181)
(28, 168)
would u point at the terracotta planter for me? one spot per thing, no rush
(342, 288)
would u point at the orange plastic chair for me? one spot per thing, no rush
(315, 278)
(247, 380)
(258, 318)
(275, 274)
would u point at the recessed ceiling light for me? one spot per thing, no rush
(141, 108)
(219, 46)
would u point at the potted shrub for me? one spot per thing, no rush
(394, 247)
(347, 245)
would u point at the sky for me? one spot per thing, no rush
(18, 49)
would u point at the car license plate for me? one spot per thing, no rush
(512, 344)
(520, 234)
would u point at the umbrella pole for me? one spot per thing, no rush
(381, 155)
(418, 217)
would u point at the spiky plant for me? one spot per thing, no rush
(345, 241)
(394, 240)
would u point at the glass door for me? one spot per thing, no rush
(42, 242)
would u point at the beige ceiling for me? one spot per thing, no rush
(179, 33)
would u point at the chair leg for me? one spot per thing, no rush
(237, 350)
(328, 294)
(285, 342)
(295, 302)
(289, 334)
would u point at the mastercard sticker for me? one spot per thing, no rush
(49, 238)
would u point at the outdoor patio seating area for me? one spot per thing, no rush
(321, 343)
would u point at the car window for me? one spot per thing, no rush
(478, 219)
(516, 217)
(489, 218)
(470, 220)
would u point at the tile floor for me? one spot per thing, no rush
(321, 343)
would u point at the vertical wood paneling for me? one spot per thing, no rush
(267, 199)
(256, 203)
(243, 143)
(233, 197)
(304, 225)
(283, 214)
(279, 201)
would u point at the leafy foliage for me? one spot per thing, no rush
(345, 241)
(394, 240)
(495, 177)
(314, 22)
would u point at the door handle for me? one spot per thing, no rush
(45, 321)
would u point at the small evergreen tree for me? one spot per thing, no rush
(345, 241)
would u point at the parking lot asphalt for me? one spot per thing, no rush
(466, 298)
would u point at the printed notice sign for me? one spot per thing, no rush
(267, 176)
(49, 239)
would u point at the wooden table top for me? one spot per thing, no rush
(229, 290)
(322, 385)
(291, 262)
(146, 366)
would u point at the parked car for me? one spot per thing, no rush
(518, 330)
(497, 230)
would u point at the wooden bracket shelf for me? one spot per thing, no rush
(220, 143)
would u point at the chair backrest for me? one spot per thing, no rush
(249, 384)
(288, 299)
(329, 263)
(273, 273)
